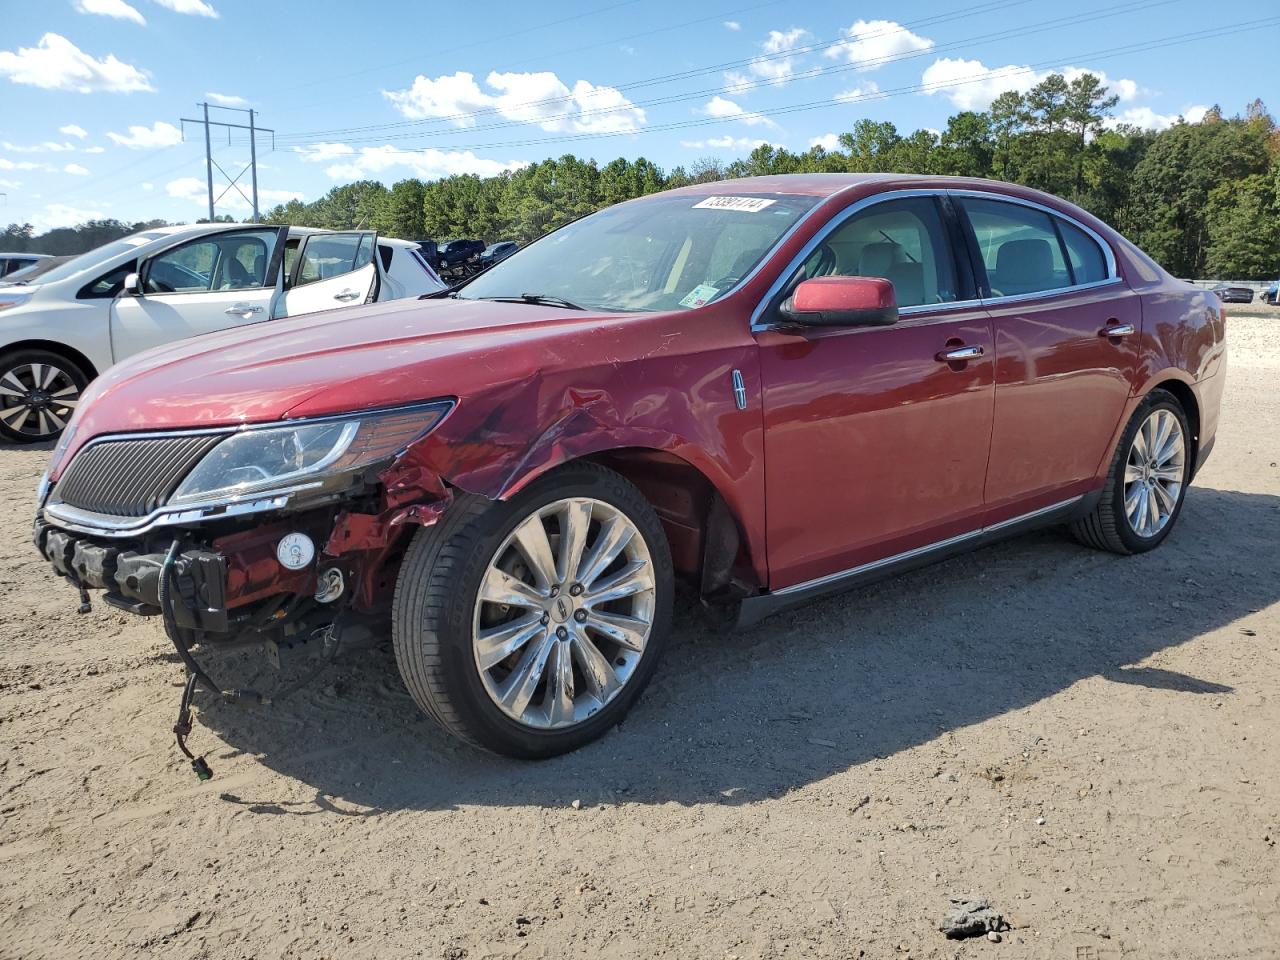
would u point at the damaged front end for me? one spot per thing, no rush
(264, 533)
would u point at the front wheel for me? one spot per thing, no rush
(530, 627)
(1147, 482)
(39, 391)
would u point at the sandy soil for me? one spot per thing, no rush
(1089, 741)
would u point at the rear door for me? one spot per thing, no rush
(1066, 341)
(209, 283)
(332, 270)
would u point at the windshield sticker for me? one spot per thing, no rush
(745, 204)
(702, 293)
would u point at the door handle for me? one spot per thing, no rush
(346, 295)
(960, 354)
(242, 310)
(1118, 330)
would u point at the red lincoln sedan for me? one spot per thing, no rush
(770, 388)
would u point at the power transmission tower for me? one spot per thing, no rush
(210, 163)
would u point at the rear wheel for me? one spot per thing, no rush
(530, 627)
(1147, 482)
(39, 391)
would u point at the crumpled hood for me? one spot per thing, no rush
(358, 358)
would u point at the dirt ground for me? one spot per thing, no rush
(1087, 740)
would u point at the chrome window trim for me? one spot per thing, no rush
(853, 209)
(1108, 254)
(834, 223)
(928, 548)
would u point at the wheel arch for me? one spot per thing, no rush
(62, 349)
(710, 543)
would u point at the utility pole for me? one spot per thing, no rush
(210, 163)
(208, 159)
(253, 163)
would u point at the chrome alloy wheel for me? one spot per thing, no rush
(1154, 473)
(563, 613)
(37, 399)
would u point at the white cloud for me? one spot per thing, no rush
(732, 25)
(724, 143)
(7, 164)
(971, 85)
(225, 100)
(829, 142)
(56, 63)
(723, 109)
(428, 164)
(534, 98)
(147, 187)
(323, 152)
(111, 8)
(72, 130)
(95, 149)
(866, 91)
(159, 134)
(195, 190)
(48, 146)
(1148, 119)
(76, 170)
(11, 184)
(197, 8)
(869, 43)
(773, 67)
(56, 215)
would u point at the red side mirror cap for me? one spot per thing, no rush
(842, 302)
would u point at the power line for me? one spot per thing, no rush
(985, 7)
(1107, 53)
(1053, 24)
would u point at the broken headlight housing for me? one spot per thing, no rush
(280, 458)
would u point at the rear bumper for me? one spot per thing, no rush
(131, 577)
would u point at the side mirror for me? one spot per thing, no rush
(842, 302)
(132, 286)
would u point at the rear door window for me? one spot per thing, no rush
(1088, 263)
(329, 255)
(1019, 247)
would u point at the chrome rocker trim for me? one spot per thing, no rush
(756, 608)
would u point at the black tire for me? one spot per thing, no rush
(1107, 527)
(14, 368)
(435, 600)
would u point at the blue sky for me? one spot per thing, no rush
(91, 91)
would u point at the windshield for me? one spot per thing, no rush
(98, 256)
(674, 252)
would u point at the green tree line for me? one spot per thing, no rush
(1202, 198)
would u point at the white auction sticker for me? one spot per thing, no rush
(744, 204)
(295, 551)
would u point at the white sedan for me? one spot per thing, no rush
(65, 327)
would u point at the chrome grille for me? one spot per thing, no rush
(130, 478)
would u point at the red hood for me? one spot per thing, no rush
(359, 358)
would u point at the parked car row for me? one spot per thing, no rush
(457, 260)
(771, 388)
(62, 327)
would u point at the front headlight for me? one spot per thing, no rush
(269, 459)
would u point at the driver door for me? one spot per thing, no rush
(219, 280)
(876, 442)
(332, 270)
